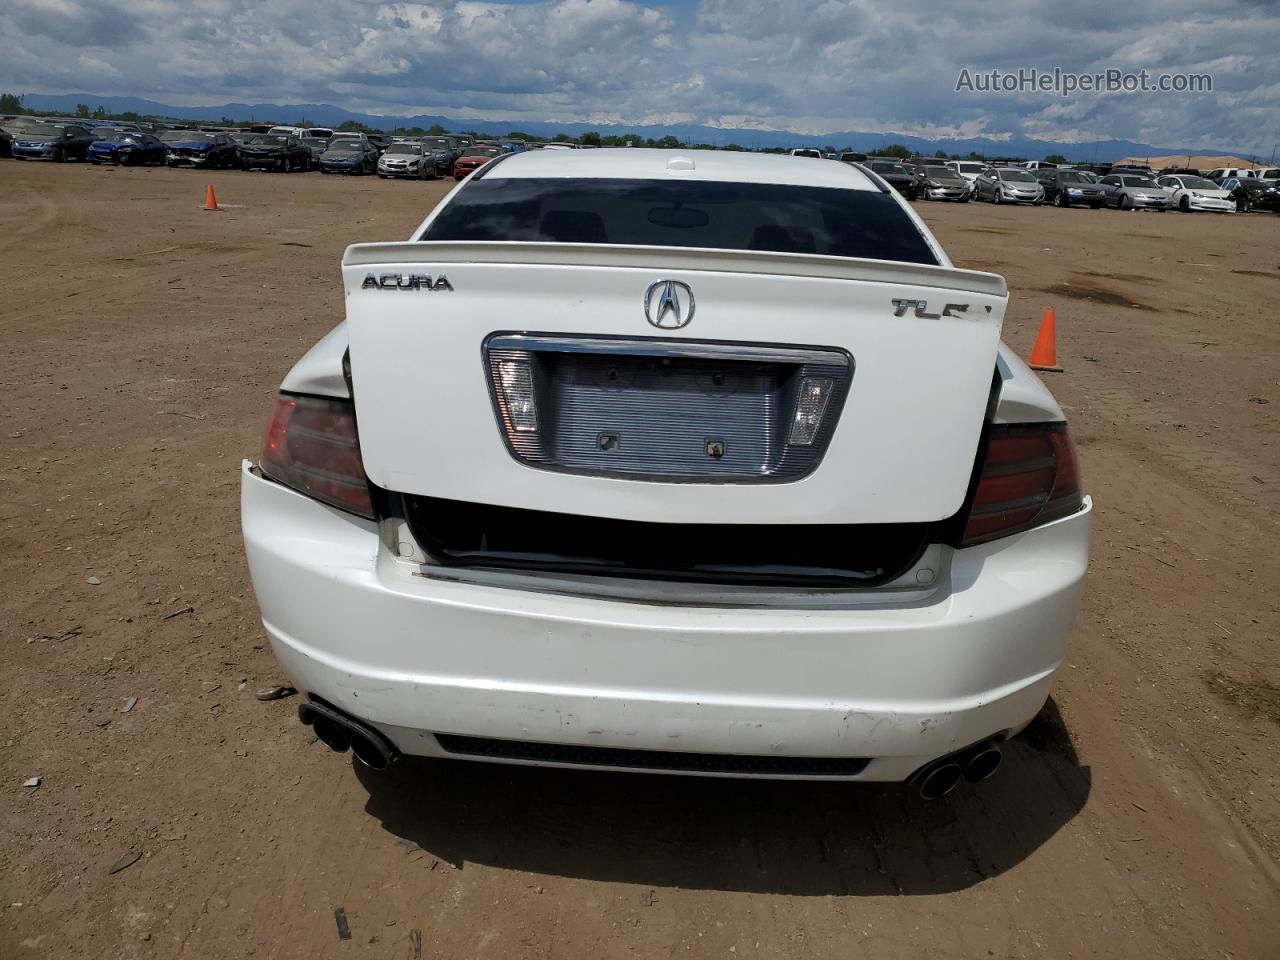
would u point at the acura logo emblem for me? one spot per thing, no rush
(668, 304)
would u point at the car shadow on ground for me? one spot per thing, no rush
(798, 838)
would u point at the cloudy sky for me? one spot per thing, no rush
(811, 66)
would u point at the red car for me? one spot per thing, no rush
(473, 158)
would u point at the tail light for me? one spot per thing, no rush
(1028, 478)
(312, 446)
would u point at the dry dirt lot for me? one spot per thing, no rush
(143, 339)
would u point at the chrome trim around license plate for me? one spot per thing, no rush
(602, 422)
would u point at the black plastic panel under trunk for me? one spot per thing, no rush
(459, 533)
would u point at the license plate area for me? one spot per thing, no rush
(677, 411)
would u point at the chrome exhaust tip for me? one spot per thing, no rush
(939, 780)
(983, 762)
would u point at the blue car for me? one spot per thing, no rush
(197, 148)
(121, 147)
(52, 141)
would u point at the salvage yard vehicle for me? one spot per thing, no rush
(270, 151)
(317, 146)
(122, 147)
(1008, 185)
(408, 158)
(355, 155)
(1253, 193)
(473, 158)
(897, 176)
(52, 141)
(636, 485)
(195, 148)
(969, 170)
(299, 132)
(942, 183)
(1189, 193)
(1069, 188)
(445, 150)
(1134, 192)
(1226, 173)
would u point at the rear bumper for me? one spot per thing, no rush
(897, 683)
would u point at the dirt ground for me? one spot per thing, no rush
(143, 340)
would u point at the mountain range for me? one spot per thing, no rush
(327, 115)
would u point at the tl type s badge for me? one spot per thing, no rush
(406, 281)
(900, 308)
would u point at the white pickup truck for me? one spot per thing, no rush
(702, 463)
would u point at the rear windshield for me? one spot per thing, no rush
(731, 216)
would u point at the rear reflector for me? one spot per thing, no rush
(312, 446)
(1028, 478)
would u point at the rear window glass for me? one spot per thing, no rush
(730, 216)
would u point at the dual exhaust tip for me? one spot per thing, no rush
(975, 765)
(340, 733)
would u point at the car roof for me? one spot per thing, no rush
(719, 166)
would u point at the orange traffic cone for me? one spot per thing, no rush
(210, 201)
(1044, 355)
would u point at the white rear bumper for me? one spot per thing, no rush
(898, 683)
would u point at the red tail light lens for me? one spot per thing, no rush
(312, 446)
(1028, 478)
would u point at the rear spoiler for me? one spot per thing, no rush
(673, 258)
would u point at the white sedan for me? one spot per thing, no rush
(706, 463)
(1197, 193)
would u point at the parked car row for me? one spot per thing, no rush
(286, 149)
(1124, 187)
(290, 149)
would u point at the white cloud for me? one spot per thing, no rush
(804, 65)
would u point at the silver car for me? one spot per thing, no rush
(1127, 191)
(1008, 185)
(408, 158)
(942, 183)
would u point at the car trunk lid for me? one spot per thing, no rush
(526, 376)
